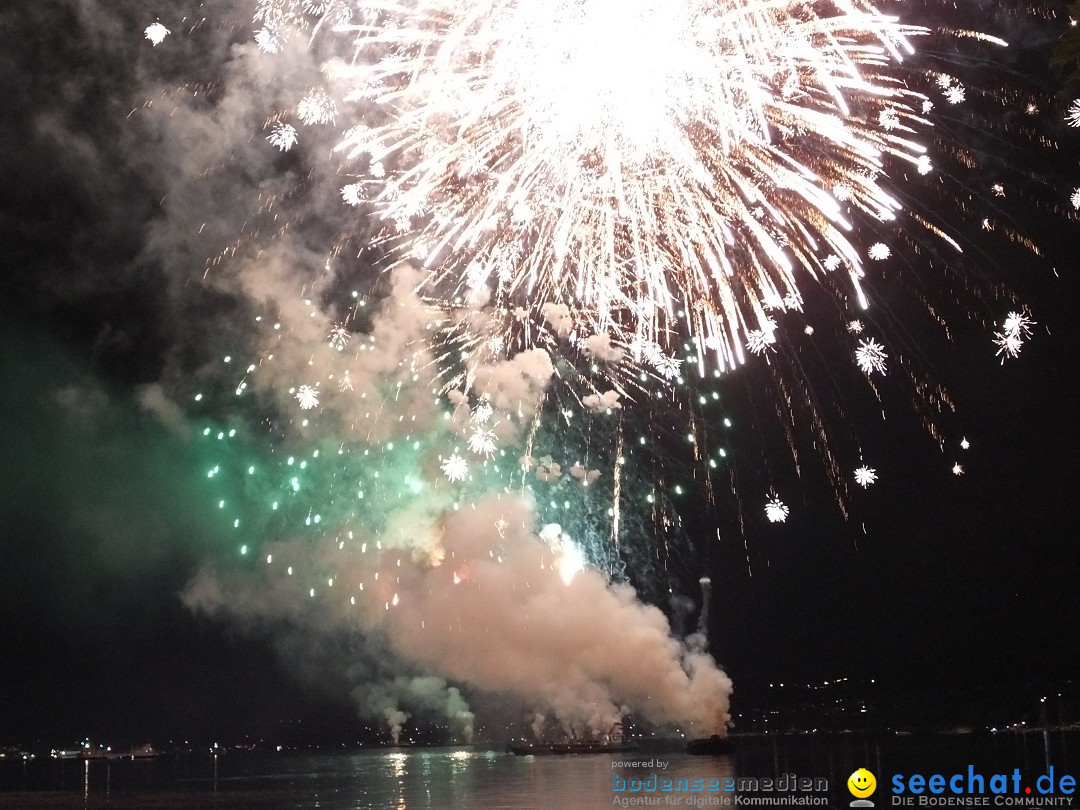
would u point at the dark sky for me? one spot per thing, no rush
(936, 582)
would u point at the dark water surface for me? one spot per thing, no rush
(486, 779)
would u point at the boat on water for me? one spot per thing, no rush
(711, 746)
(88, 751)
(611, 743)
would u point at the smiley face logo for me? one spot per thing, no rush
(861, 783)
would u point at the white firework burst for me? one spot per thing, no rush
(352, 194)
(759, 340)
(307, 396)
(647, 351)
(283, 136)
(1075, 198)
(1008, 346)
(156, 33)
(459, 81)
(268, 40)
(345, 383)
(455, 468)
(773, 300)
(481, 414)
(832, 261)
(776, 510)
(339, 336)
(955, 94)
(1017, 323)
(316, 108)
(924, 166)
(1015, 329)
(1072, 117)
(957, 469)
(669, 367)
(483, 442)
(888, 119)
(865, 476)
(879, 251)
(855, 327)
(870, 356)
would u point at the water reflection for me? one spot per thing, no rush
(481, 779)
(397, 762)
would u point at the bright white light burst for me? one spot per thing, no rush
(865, 476)
(339, 336)
(316, 108)
(283, 136)
(879, 251)
(455, 468)
(776, 510)
(870, 356)
(481, 414)
(483, 442)
(758, 341)
(307, 396)
(352, 194)
(156, 33)
(1015, 329)
(660, 168)
(1072, 117)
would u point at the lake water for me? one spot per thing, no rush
(488, 779)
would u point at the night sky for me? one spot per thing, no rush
(936, 583)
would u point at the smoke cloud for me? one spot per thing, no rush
(242, 261)
(491, 611)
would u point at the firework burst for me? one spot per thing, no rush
(582, 203)
(663, 171)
